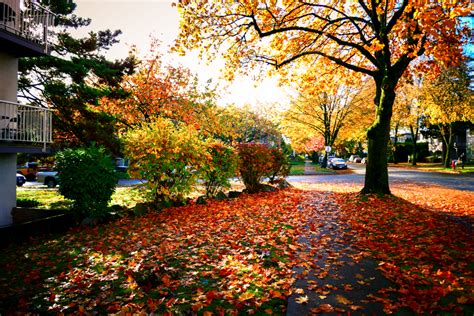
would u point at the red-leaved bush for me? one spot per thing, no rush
(256, 162)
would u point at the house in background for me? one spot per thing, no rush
(24, 32)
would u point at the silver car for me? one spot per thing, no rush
(49, 178)
(337, 163)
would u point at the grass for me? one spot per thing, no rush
(437, 167)
(298, 168)
(52, 199)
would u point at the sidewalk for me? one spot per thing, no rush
(308, 168)
(333, 277)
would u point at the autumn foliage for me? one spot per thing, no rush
(377, 39)
(257, 161)
(220, 168)
(225, 257)
(168, 155)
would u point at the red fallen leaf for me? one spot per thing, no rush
(341, 299)
(211, 295)
(355, 307)
(52, 297)
(225, 272)
(166, 280)
(348, 287)
(323, 308)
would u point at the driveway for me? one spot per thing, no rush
(463, 182)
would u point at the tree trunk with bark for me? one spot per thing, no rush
(447, 137)
(376, 176)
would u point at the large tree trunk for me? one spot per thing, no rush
(447, 136)
(376, 176)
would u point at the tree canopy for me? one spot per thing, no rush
(73, 78)
(375, 38)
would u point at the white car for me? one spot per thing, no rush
(49, 178)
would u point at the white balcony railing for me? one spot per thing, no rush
(25, 123)
(27, 19)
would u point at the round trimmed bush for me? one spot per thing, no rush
(87, 177)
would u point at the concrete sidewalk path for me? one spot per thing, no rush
(333, 277)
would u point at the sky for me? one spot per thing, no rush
(140, 19)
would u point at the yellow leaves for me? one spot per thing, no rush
(376, 45)
(302, 299)
(341, 299)
(299, 291)
(246, 296)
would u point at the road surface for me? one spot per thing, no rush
(396, 175)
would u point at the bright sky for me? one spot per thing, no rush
(140, 19)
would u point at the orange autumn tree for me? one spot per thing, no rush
(372, 37)
(323, 108)
(159, 90)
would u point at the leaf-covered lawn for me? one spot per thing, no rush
(237, 256)
(232, 256)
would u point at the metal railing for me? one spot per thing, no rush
(30, 20)
(25, 123)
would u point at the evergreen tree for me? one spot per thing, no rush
(73, 78)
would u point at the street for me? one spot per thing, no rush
(396, 175)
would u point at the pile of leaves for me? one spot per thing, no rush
(226, 257)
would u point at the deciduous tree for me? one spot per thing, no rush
(163, 90)
(376, 38)
(408, 113)
(448, 100)
(324, 111)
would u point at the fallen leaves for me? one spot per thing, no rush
(420, 249)
(302, 299)
(227, 255)
(237, 256)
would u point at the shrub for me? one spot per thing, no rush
(280, 166)
(168, 156)
(221, 166)
(25, 202)
(255, 163)
(88, 178)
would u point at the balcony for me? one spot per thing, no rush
(24, 126)
(25, 27)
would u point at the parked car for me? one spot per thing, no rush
(364, 160)
(352, 158)
(337, 163)
(29, 170)
(20, 179)
(49, 178)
